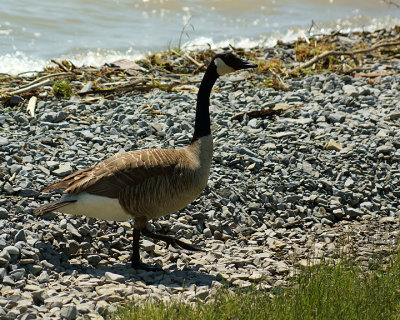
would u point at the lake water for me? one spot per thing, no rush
(95, 32)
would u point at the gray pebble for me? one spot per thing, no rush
(93, 259)
(20, 236)
(350, 90)
(207, 232)
(3, 213)
(63, 170)
(3, 141)
(69, 312)
(11, 250)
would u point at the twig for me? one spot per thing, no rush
(234, 48)
(284, 86)
(312, 25)
(177, 53)
(198, 64)
(394, 57)
(304, 36)
(184, 32)
(377, 46)
(26, 72)
(326, 54)
(60, 65)
(198, 68)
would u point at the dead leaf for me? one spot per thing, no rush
(333, 145)
(129, 66)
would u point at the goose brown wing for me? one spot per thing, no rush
(111, 176)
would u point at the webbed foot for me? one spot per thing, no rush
(171, 241)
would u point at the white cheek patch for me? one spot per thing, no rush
(222, 67)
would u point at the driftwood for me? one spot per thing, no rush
(55, 75)
(349, 53)
(373, 75)
(30, 87)
(39, 82)
(132, 85)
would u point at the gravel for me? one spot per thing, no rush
(322, 177)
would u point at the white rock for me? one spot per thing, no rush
(114, 277)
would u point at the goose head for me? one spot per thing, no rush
(228, 62)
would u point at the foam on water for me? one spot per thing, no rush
(18, 62)
(99, 57)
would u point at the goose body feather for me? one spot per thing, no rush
(143, 183)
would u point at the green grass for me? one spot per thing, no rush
(343, 291)
(62, 88)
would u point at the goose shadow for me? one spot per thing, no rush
(61, 262)
(170, 277)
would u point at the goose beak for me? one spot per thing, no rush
(243, 64)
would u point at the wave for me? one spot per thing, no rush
(347, 25)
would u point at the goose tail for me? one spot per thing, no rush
(51, 207)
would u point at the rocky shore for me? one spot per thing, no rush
(319, 178)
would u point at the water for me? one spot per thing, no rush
(95, 32)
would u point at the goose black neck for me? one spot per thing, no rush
(202, 123)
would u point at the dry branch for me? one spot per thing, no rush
(373, 75)
(258, 114)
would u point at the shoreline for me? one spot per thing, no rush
(174, 67)
(317, 176)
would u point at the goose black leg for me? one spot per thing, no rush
(170, 241)
(136, 263)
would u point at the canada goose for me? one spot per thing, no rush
(150, 183)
